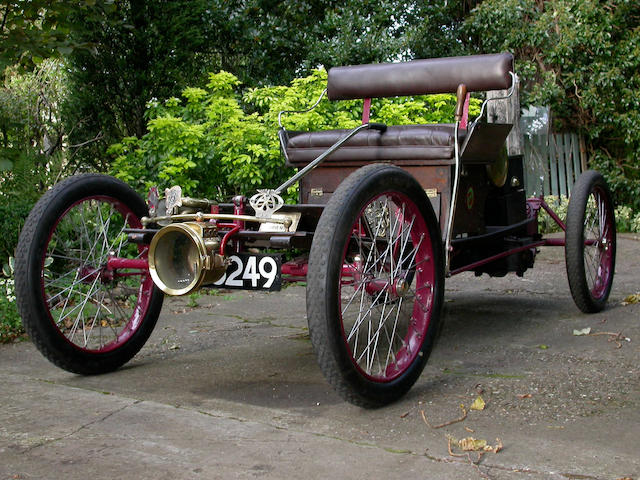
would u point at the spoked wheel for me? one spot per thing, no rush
(375, 285)
(84, 293)
(590, 249)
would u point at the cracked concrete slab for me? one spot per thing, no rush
(95, 435)
(231, 389)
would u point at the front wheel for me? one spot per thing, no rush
(84, 311)
(375, 285)
(590, 250)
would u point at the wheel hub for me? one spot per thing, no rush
(400, 288)
(394, 289)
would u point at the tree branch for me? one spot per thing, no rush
(4, 17)
(5, 137)
(97, 137)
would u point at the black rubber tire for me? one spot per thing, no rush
(327, 255)
(590, 268)
(35, 238)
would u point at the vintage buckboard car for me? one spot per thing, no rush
(386, 213)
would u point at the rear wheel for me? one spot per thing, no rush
(83, 313)
(590, 250)
(375, 285)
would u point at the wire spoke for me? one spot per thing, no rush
(390, 353)
(89, 304)
(373, 338)
(70, 287)
(389, 246)
(81, 306)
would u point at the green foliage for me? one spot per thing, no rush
(13, 211)
(193, 299)
(31, 139)
(30, 127)
(122, 55)
(33, 30)
(272, 42)
(435, 28)
(208, 144)
(366, 31)
(626, 219)
(10, 325)
(141, 50)
(559, 205)
(148, 50)
(581, 57)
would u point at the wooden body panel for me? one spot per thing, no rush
(318, 186)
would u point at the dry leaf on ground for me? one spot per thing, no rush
(478, 403)
(584, 331)
(471, 444)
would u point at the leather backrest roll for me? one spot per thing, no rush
(417, 77)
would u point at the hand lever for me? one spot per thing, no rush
(461, 94)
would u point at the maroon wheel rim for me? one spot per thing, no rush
(386, 287)
(598, 232)
(96, 310)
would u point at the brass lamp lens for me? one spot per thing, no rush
(177, 260)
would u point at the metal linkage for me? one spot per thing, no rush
(201, 217)
(454, 198)
(266, 202)
(514, 84)
(282, 112)
(321, 157)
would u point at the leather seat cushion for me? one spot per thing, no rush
(405, 142)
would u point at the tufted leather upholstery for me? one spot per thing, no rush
(406, 142)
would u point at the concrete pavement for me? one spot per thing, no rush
(231, 390)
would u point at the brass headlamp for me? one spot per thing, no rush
(183, 256)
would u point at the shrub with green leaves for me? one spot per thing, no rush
(33, 148)
(581, 58)
(626, 219)
(10, 325)
(216, 143)
(559, 205)
(13, 211)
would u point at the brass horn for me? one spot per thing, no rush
(182, 257)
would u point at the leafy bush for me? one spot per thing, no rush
(622, 175)
(559, 205)
(582, 58)
(216, 143)
(32, 144)
(10, 325)
(626, 219)
(13, 211)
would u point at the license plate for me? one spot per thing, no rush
(250, 271)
